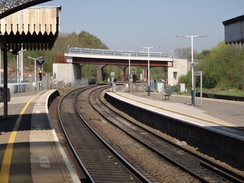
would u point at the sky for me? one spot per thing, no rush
(128, 24)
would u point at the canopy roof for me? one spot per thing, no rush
(234, 30)
(8, 7)
(32, 28)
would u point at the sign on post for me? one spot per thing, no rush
(40, 61)
(198, 73)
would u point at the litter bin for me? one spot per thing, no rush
(160, 87)
(182, 87)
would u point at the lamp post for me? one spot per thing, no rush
(130, 78)
(20, 66)
(148, 67)
(34, 68)
(192, 66)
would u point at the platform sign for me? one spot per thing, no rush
(198, 73)
(40, 61)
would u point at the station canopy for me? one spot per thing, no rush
(234, 30)
(35, 28)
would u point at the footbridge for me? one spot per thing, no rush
(103, 57)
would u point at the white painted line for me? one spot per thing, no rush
(44, 162)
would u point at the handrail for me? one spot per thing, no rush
(88, 51)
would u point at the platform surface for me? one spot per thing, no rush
(221, 115)
(29, 148)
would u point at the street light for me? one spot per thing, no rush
(20, 66)
(130, 78)
(34, 68)
(192, 65)
(148, 65)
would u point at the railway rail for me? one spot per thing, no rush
(98, 160)
(102, 165)
(199, 167)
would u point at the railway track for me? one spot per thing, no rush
(102, 165)
(199, 167)
(98, 160)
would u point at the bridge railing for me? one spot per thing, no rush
(88, 51)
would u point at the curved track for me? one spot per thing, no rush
(199, 167)
(99, 161)
(102, 165)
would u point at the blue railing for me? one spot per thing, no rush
(88, 51)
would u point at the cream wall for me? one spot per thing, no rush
(179, 68)
(67, 73)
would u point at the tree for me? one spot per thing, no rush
(202, 55)
(158, 73)
(111, 68)
(89, 71)
(223, 68)
(184, 53)
(90, 41)
(63, 42)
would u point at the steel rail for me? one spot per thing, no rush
(207, 164)
(203, 161)
(122, 160)
(87, 174)
(138, 174)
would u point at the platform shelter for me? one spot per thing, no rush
(25, 27)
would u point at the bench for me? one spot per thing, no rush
(167, 94)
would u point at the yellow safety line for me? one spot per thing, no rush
(5, 169)
(176, 111)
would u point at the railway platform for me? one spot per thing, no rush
(221, 115)
(215, 129)
(29, 148)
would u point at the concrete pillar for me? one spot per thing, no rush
(100, 72)
(145, 69)
(67, 73)
(122, 72)
(77, 71)
(170, 77)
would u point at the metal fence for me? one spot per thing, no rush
(74, 50)
(47, 82)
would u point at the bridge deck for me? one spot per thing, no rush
(118, 54)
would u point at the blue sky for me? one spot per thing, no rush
(127, 24)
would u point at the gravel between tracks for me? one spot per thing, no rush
(158, 169)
